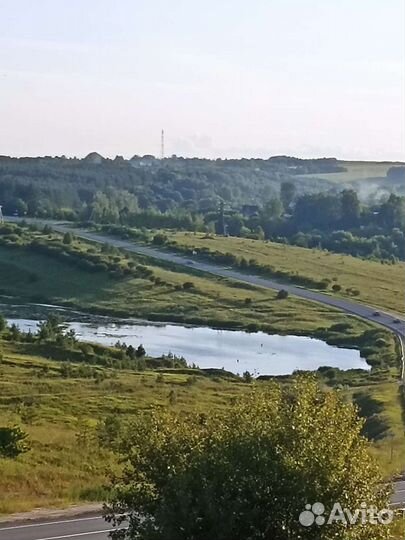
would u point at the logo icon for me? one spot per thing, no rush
(313, 514)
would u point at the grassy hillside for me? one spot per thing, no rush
(62, 415)
(62, 409)
(380, 285)
(356, 170)
(27, 275)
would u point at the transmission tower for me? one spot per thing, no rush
(162, 145)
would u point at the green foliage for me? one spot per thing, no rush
(159, 239)
(247, 377)
(50, 329)
(301, 266)
(140, 351)
(73, 410)
(13, 442)
(247, 473)
(67, 238)
(293, 198)
(282, 294)
(108, 431)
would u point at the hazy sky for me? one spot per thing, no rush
(227, 78)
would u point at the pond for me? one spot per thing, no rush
(235, 351)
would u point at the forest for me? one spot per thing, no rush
(309, 203)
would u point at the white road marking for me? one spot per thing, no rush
(48, 523)
(74, 535)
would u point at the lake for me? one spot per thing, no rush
(235, 351)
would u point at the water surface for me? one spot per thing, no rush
(235, 351)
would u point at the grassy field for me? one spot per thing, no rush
(356, 170)
(61, 414)
(29, 276)
(379, 285)
(66, 463)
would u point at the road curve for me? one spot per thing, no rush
(393, 322)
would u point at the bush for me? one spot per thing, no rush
(159, 239)
(67, 238)
(13, 442)
(282, 294)
(187, 285)
(247, 472)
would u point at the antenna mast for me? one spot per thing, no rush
(162, 145)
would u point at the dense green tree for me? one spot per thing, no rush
(234, 225)
(3, 323)
(273, 209)
(350, 206)
(67, 238)
(248, 473)
(287, 194)
(13, 442)
(140, 352)
(50, 329)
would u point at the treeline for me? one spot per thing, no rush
(60, 187)
(337, 222)
(79, 359)
(269, 199)
(71, 251)
(76, 189)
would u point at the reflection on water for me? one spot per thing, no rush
(235, 351)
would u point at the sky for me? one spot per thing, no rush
(223, 78)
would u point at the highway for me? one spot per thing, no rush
(398, 497)
(80, 528)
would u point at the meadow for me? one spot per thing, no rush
(66, 463)
(356, 170)
(62, 410)
(63, 415)
(376, 284)
(30, 276)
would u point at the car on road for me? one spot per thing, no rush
(396, 321)
(376, 314)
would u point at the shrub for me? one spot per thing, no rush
(187, 285)
(68, 238)
(13, 442)
(159, 239)
(282, 294)
(217, 476)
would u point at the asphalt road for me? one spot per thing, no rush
(398, 498)
(81, 528)
(361, 310)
